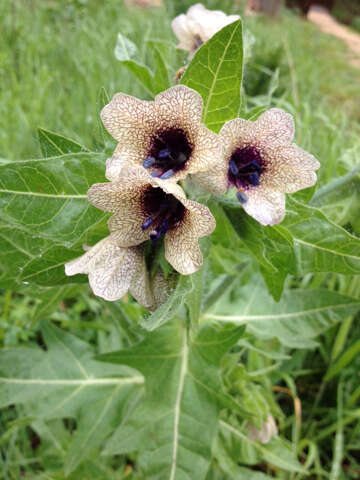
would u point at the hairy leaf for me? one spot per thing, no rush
(65, 381)
(272, 247)
(44, 212)
(53, 144)
(300, 315)
(320, 244)
(172, 305)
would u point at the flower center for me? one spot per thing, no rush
(164, 212)
(169, 153)
(245, 169)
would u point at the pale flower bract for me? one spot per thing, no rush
(148, 208)
(198, 25)
(262, 163)
(165, 136)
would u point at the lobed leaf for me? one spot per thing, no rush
(320, 245)
(295, 320)
(45, 215)
(65, 381)
(173, 429)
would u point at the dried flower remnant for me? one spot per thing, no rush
(198, 25)
(265, 434)
(148, 208)
(263, 164)
(165, 136)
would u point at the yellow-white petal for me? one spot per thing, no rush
(182, 249)
(110, 268)
(267, 206)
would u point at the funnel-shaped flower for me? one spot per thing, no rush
(148, 208)
(260, 160)
(198, 25)
(165, 136)
(114, 270)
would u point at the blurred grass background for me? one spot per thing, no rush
(56, 56)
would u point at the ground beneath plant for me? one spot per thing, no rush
(321, 17)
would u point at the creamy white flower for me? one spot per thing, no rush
(260, 160)
(114, 270)
(267, 431)
(165, 136)
(198, 25)
(148, 208)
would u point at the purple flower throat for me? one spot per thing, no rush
(163, 211)
(245, 169)
(169, 152)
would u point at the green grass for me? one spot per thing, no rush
(55, 56)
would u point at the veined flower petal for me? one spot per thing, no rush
(263, 164)
(110, 268)
(167, 130)
(182, 249)
(146, 207)
(265, 205)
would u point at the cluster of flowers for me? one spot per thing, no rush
(160, 143)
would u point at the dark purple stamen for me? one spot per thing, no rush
(162, 211)
(241, 197)
(167, 174)
(149, 162)
(254, 178)
(147, 223)
(155, 174)
(245, 169)
(170, 150)
(233, 168)
(164, 227)
(164, 153)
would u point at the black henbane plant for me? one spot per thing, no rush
(196, 192)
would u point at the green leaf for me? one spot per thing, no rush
(50, 298)
(216, 72)
(320, 245)
(232, 469)
(52, 144)
(126, 52)
(343, 361)
(300, 315)
(161, 75)
(44, 213)
(170, 308)
(65, 381)
(106, 142)
(272, 247)
(143, 75)
(125, 49)
(174, 428)
(224, 285)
